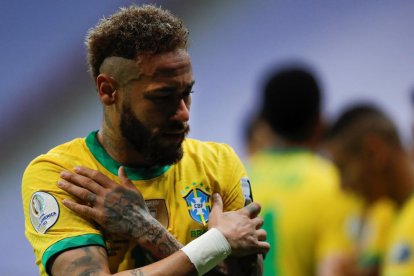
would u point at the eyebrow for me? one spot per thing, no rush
(167, 87)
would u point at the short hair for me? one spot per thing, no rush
(291, 103)
(360, 119)
(133, 31)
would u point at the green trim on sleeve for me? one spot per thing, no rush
(270, 267)
(71, 242)
(111, 165)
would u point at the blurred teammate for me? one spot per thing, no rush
(366, 146)
(258, 136)
(80, 221)
(296, 187)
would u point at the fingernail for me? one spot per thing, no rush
(60, 183)
(64, 174)
(77, 169)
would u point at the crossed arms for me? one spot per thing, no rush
(121, 210)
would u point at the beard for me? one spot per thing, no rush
(154, 148)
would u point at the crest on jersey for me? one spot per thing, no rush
(401, 252)
(198, 204)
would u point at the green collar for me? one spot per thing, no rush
(111, 165)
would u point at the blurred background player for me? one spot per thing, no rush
(298, 189)
(365, 145)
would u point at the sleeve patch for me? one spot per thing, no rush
(247, 190)
(44, 211)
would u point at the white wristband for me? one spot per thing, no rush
(208, 250)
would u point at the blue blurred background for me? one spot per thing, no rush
(361, 50)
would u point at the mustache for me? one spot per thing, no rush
(176, 127)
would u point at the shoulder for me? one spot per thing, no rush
(197, 148)
(61, 156)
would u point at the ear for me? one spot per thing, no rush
(377, 151)
(107, 88)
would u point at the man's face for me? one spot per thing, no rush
(154, 111)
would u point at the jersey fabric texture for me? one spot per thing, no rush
(298, 191)
(399, 260)
(378, 219)
(179, 196)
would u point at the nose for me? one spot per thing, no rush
(182, 113)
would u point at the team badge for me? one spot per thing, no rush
(44, 211)
(198, 203)
(400, 253)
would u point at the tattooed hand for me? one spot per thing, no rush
(120, 209)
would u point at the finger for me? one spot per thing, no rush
(82, 181)
(79, 192)
(261, 234)
(123, 177)
(80, 209)
(96, 176)
(217, 204)
(263, 247)
(258, 221)
(251, 210)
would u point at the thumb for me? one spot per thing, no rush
(124, 178)
(217, 204)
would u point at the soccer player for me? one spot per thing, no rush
(142, 70)
(297, 188)
(366, 146)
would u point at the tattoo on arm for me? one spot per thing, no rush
(126, 217)
(91, 261)
(137, 272)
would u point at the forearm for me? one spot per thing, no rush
(157, 240)
(92, 260)
(175, 264)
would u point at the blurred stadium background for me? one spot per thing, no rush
(360, 50)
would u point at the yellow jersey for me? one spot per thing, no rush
(178, 196)
(298, 191)
(399, 260)
(378, 219)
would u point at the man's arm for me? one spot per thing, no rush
(121, 209)
(93, 260)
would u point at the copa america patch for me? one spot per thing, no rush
(44, 211)
(247, 190)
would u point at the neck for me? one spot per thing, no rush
(119, 148)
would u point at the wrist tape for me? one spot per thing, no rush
(208, 250)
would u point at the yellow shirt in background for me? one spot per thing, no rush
(399, 260)
(305, 212)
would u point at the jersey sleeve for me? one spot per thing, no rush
(50, 227)
(236, 184)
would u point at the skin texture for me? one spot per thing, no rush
(157, 97)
